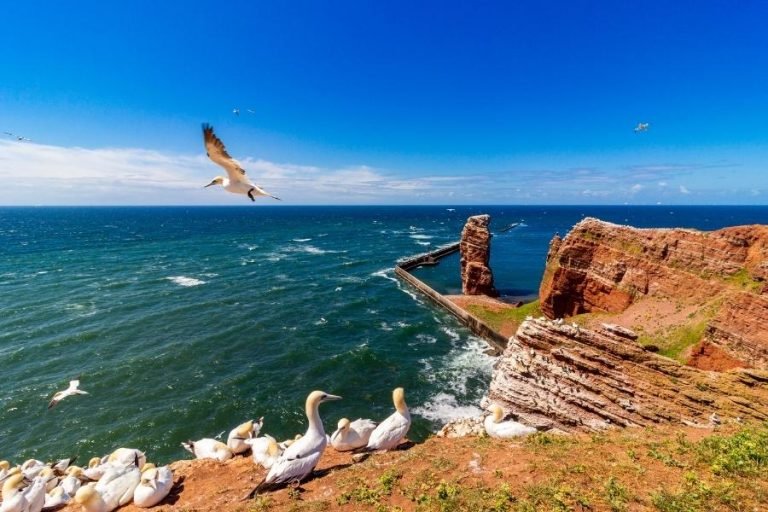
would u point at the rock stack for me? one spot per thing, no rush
(475, 249)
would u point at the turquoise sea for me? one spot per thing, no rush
(183, 322)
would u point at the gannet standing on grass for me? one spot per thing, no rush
(392, 430)
(298, 460)
(495, 427)
(236, 181)
(350, 436)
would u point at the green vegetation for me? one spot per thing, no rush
(743, 280)
(743, 454)
(675, 342)
(495, 318)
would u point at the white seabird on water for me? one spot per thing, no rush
(495, 427)
(298, 460)
(208, 448)
(350, 436)
(236, 181)
(236, 441)
(392, 430)
(70, 391)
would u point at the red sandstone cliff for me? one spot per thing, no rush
(605, 268)
(694, 296)
(475, 250)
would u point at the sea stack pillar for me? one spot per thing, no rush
(475, 249)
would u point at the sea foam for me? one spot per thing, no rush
(185, 281)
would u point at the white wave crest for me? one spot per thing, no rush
(421, 237)
(443, 408)
(185, 281)
(301, 240)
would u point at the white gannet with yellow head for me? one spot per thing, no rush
(154, 486)
(298, 460)
(96, 468)
(352, 435)
(236, 181)
(72, 480)
(5, 466)
(56, 498)
(236, 441)
(264, 450)
(392, 430)
(13, 493)
(208, 448)
(495, 427)
(127, 457)
(114, 489)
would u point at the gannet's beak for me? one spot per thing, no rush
(331, 397)
(211, 183)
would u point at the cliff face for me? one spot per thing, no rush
(557, 375)
(605, 268)
(475, 249)
(700, 292)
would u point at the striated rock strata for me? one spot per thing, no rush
(606, 268)
(561, 376)
(475, 249)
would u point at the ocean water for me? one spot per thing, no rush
(184, 322)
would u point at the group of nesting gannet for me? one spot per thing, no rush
(236, 181)
(108, 482)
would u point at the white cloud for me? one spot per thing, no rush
(634, 189)
(43, 174)
(684, 190)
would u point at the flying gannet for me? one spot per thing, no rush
(155, 485)
(642, 127)
(350, 436)
(236, 181)
(298, 460)
(236, 441)
(495, 427)
(70, 391)
(208, 448)
(392, 430)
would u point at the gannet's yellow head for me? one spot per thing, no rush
(147, 466)
(245, 429)
(497, 412)
(56, 492)
(343, 424)
(318, 397)
(149, 476)
(12, 483)
(47, 472)
(218, 180)
(75, 471)
(4, 464)
(398, 397)
(272, 449)
(95, 461)
(87, 494)
(28, 463)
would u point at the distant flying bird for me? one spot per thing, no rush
(642, 127)
(236, 111)
(236, 180)
(71, 390)
(17, 137)
(251, 111)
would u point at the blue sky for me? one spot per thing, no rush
(386, 102)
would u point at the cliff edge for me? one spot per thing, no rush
(667, 326)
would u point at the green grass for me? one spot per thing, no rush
(674, 343)
(495, 319)
(744, 280)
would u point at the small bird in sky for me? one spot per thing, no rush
(236, 111)
(71, 390)
(250, 111)
(236, 181)
(642, 127)
(17, 137)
